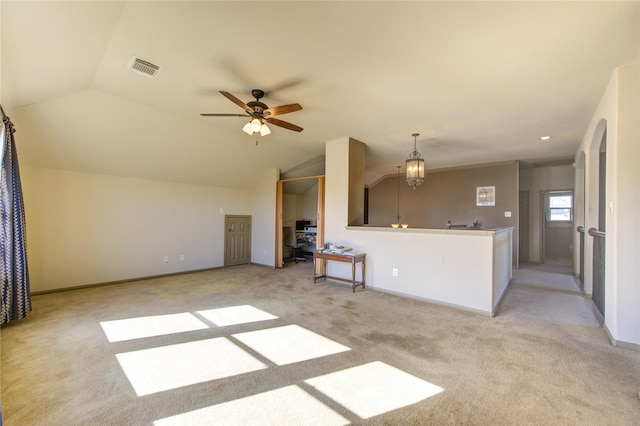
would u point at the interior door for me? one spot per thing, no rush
(237, 240)
(557, 216)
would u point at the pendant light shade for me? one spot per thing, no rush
(264, 130)
(415, 166)
(255, 125)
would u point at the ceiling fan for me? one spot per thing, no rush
(259, 113)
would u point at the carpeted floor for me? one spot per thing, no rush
(251, 345)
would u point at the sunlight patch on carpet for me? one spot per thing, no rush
(169, 367)
(236, 315)
(157, 325)
(372, 389)
(289, 344)
(285, 406)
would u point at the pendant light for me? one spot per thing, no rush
(397, 222)
(415, 166)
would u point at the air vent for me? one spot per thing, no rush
(144, 67)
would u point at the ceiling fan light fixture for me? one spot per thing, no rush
(258, 113)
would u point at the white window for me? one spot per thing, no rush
(560, 207)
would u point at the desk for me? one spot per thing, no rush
(339, 257)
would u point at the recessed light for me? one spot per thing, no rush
(545, 138)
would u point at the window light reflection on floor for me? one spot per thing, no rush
(290, 344)
(372, 389)
(285, 406)
(169, 367)
(157, 325)
(367, 390)
(236, 315)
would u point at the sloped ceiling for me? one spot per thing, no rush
(480, 82)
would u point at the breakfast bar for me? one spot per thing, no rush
(468, 269)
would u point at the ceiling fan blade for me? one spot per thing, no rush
(237, 102)
(225, 115)
(282, 109)
(284, 124)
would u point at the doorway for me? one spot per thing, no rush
(237, 240)
(304, 206)
(523, 226)
(557, 227)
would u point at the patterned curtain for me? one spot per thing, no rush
(16, 294)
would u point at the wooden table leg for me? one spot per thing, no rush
(363, 268)
(353, 276)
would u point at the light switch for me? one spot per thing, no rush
(507, 214)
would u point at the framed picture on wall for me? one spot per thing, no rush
(485, 196)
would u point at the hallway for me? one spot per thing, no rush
(548, 293)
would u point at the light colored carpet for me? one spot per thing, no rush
(542, 360)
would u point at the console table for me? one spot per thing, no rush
(347, 257)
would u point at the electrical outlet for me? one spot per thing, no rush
(395, 272)
(166, 259)
(182, 258)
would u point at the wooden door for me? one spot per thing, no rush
(237, 246)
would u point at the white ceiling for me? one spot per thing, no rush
(480, 82)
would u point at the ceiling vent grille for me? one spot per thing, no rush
(144, 67)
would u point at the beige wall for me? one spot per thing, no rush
(290, 207)
(300, 207)
(356, 182)
(263, 235)
(87, 228)
(448, 195)
(618, 112)
(309, 204)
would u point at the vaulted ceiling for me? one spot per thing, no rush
(480, 82)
